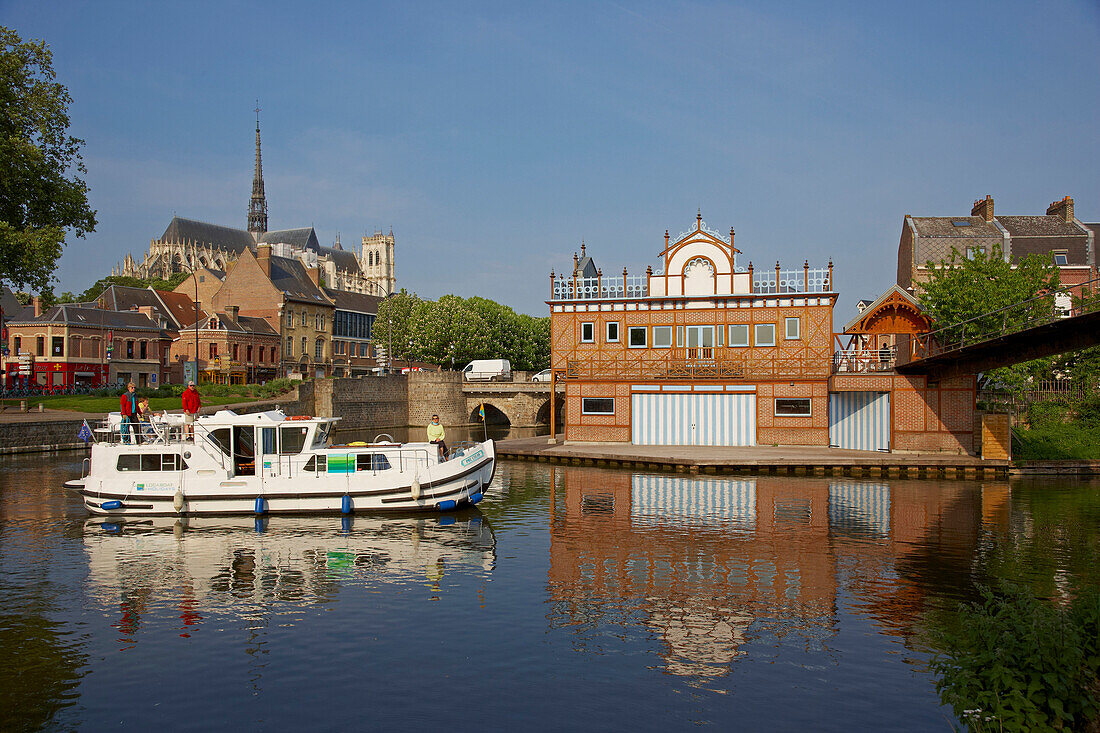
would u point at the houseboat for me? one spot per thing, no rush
(271, 463)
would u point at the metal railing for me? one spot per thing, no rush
(1031, 313)
(806, 280)
(593, 288)
(870, 360)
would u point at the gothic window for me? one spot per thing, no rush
(318, 349)
(305, 346)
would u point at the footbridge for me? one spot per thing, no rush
(1023, 331)
(519, 403)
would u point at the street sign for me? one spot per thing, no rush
(189, 372)
(153, 377)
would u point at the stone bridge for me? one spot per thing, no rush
(522, 404)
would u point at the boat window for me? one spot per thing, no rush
(220, 438)
(292, 440)
(320, 439)
(150, 461)
(267, 440)
(316, 464)
(371, 462)
(131, 462)
(172, 462)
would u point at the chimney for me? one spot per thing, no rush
(983, 208)
(232, 311)
(147, 311)
(263, 256)
(1062, 209)
(37, 303)
(314, 275)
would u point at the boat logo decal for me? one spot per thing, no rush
(341, 464)
(478, 454)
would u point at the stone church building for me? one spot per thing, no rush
(188, 245)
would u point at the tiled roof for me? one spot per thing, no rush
(356, 302)
(181, 308)
(10, 304)
(1039, 226)
(240, 324)
(944, 226)
(79, 316)
(291, 277)
(226, 238)
(124, 298)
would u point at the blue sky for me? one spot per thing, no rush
(494, 137)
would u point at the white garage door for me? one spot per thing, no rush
(693, 419)
(859, 420)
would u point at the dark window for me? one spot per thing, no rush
(129, 462)
(292, 440)
(18, 342)
(130, 349)
(236, 352)
(792, 407)
(636, 336)
(1061, 258)
(220, 438)
(40, 346)
(150, 461)
(371, 462)
(613, 332)
(311, 464)
(58, 346)
(261, 360)
(598, 405)
(588, 331)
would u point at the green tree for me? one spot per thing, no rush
(41, 192)
(969, 298)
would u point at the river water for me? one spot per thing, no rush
(572, 598)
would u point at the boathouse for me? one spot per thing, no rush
(708, 351)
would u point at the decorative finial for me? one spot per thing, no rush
(699, 218)
(582, 249)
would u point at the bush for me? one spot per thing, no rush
(1014, 662)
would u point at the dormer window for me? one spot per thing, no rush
(973, 252)
(1061, 257)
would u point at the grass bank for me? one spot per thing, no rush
(162, 398)
(1057, 431)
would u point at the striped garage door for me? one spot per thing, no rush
(859, 420)
(693, 419)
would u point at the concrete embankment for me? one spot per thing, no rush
(769, 460)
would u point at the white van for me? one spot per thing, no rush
(488, 370)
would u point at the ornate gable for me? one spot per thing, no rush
(893, 312)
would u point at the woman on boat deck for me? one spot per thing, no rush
(436, 434)
(128, 406)
(145, 420)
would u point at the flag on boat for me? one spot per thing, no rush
(85, 433)
(481, 412)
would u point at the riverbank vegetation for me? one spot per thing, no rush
(1014, 662)
(1062, 430)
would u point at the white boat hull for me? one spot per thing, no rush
(345, 480)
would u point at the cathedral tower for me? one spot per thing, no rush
(257, 206)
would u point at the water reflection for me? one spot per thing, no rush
(250, 566)
(713, 566)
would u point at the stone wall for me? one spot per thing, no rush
(36, 437)
(436, 393)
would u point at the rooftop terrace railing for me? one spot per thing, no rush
(645, 368)
(764, 282)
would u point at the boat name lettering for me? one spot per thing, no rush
(479, 453)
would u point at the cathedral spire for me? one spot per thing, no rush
(257, 206)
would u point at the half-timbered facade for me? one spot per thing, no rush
(704, 351)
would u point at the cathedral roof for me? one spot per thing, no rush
(344, 260)
(226, 238)
(304, 238)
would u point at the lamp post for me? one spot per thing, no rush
(195, 278)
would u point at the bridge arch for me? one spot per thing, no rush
(494, 415)
(542, 416)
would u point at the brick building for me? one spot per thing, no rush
(1068, 242)
(703, 352)
(67, 346)
(233, 349)
(288, 296)
(706, 352)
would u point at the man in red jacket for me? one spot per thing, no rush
(127, 404)
(190, 408)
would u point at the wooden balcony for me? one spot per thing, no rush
(698, 364)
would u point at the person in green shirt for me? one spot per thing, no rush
(436, 434)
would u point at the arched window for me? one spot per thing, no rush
(699, 277)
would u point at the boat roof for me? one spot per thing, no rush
(269, 417)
